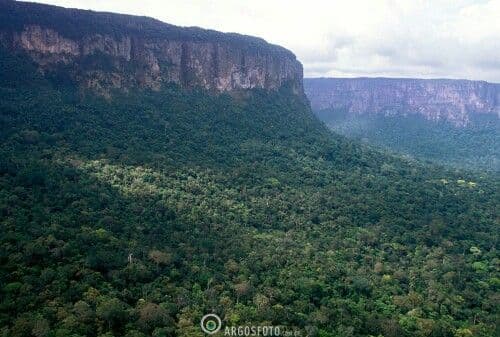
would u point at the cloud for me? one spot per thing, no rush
(405, 38)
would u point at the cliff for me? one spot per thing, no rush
(104, 51)
(454, 101)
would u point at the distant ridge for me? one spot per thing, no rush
(448, 100)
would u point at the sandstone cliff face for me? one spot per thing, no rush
(450, 100)
(143, 52)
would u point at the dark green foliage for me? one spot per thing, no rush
(472, 147)
(138, 215)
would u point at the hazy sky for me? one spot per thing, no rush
(413, 38)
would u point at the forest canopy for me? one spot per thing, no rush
(135, 216)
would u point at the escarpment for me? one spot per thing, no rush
(104, 51)
(453, 101)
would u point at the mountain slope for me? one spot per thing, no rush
(452, 122)
(136, 214)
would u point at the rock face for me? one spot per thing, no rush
(106, 51)
(453, 101)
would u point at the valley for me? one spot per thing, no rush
(450, 122)
(136, 199)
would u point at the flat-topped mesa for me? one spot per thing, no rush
(104, 51)
(453, 101)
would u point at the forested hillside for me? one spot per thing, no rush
(136, 215)
(450, 122)
(474, 147)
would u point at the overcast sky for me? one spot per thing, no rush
(405, 38)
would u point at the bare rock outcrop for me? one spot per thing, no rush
(453, 101)
(108, 51)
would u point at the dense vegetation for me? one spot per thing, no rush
(137, 215)
(472, 147)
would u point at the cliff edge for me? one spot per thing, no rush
(104, 51)
(453, 101)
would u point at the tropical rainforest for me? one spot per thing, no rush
(136, 215)
(474, 147)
